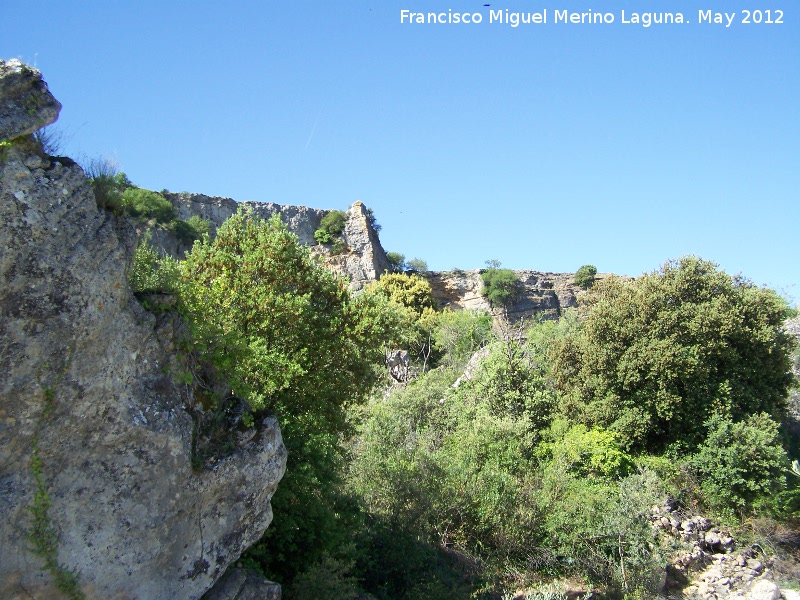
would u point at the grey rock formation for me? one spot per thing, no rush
(26, 104)
(95, 441)
(542, 294)
(242, 584)
(362, 262)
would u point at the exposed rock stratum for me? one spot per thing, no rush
(96, 477)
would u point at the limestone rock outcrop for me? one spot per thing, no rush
(27, 105)
(541, 294)
(363, 260)
(96, 477)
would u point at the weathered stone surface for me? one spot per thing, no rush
(243, 584)
(764, 590)
(364, 260)
(26, 105)
(84, 386)
(542, 294)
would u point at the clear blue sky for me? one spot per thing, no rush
(544, 146)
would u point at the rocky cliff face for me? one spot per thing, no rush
(363, 261)
(541, 294)
(96, 478)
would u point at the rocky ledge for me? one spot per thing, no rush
(98, 492)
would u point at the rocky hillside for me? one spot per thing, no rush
(98, 492)
(363, 260)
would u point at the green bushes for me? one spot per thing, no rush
(741, 463)
(656, 357)
(151, 271)
(195, 228)
(332, 224)
(143, 203)
(108, 184)
(584, 277)
(500, 286)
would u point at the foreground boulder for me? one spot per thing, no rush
(97, 488)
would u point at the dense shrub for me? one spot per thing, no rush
(332, 224)
(655, 357)
(411, 291)
(741, 463)
(584, 277)
(151, 271)
(143, 203)
(292, 341)
(500, 286)
(194, 228)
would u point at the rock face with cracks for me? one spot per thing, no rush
(362, 259)
(96, 478)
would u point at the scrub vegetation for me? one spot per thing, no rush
(542, 465)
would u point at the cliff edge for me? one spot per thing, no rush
(97, 491)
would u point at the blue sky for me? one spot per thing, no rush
(545, 146)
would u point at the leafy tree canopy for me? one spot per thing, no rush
(655, 357)
(397, 261)
(500, 286)
(281, 326)
(584, 277)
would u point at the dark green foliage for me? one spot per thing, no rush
(339, 247)
(584, 277)
(332, 224)
(274, 338)
(397, 261)
(741, 463)
(291, 340)
(145, 204)
(327, 578)
(151, 271)
(190, 230)
(500, 286)
(373, 222)
(655, 357)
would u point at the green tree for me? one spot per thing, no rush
(151, 271)
(194, 228)
(584, 277)
(397, 261)
(740, 463)
(500, 286)
(459, 333)
(291, 341)
(411, 291)
(418, 265)
(281, 326)
(656, 356)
